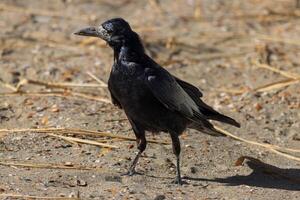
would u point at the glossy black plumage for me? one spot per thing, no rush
(152, 98)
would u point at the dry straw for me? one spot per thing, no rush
(77, 132)
(291, 78)
(273, 148)
(22, 196)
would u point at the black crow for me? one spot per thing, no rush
(152, 98)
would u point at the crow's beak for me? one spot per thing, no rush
(95, 32)
(90, 31)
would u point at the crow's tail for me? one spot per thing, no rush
(210, 113)
(205, 127)
(222, 118)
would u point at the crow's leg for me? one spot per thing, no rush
(141, 145)
(176, 150)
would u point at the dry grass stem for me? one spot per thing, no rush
(293, 78)
(285, 154)
(78, 132)
(62, 85)
(54, 85)
(263, 88)
(84, 141)
(43, 165)
(89, 97)
(232, 91)
(276, 149)
(68, 94)
(9, 86)
(276, 85)
(273, 69)
(256, 143)
(102, 83)
(21, 196)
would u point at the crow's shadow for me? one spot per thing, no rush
(263, 175)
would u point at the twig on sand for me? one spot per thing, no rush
(9, 86)
(67, 93)
(52, 84)
(292, 78)
(84, 141)
(97, 79)
(64, 94)
(276, 85)
(89, 97)
(5, 195)
(273, 69)
(263, 88)
(62, 85)
(273, 148)
(78, 132)
(232, 91)
(44, 165)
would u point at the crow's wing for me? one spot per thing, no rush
(204, 109)
(190, 89)
(166, 89)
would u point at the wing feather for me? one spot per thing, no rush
(166, 89)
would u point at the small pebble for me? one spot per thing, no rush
(81, 183)
(194, 170)
(160, 197)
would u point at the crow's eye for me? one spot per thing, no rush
(109, 28)
(109, 31)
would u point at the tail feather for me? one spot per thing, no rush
(205, 109)
(222, 118)
(205, 127)
(214, 115)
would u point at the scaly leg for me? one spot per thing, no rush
(176, 150)
(141, 145)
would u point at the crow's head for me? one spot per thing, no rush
(114, 31)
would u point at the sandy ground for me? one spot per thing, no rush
(213, 44)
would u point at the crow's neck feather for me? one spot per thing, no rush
(131, 48)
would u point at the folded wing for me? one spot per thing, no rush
(166, 89)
